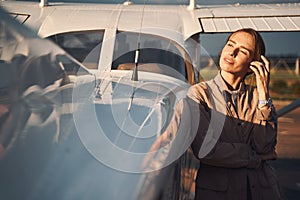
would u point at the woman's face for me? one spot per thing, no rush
(237, 54)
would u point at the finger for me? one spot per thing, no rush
(253, 68)
(260, 74)
(267, 63)
(260, 68)
(263, 69)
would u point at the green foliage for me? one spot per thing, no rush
(285, 89)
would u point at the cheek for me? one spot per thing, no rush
(243, 64)
(244, 60)
(223, 54)
(246, 66)
(224, 51)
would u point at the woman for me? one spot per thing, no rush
(236, 127)
(236, 167)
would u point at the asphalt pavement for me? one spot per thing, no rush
(287, 165)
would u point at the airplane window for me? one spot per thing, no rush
(84, 46)
(157, 54)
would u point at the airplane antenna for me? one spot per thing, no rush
(136, 61)
(127, 3)
(192, 5)
(137, 51)
(134, 75)
(65, 78)
(43, 3)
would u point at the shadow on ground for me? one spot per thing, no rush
(288, 172)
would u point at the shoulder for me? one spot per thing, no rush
(198, 92)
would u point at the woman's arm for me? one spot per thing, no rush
(232, 155)
(265, 131)
(264, 137)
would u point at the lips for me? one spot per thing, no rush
(228, 60)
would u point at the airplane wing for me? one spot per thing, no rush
(214, 18)
(261, 17)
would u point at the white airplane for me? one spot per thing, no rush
(78, 125)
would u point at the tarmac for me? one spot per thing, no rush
(287, 165)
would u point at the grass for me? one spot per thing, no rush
(283, 85)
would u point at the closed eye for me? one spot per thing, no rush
(244, 52)
(230, 44)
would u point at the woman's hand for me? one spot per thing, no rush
(262, 73)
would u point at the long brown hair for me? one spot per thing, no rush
(260, 48)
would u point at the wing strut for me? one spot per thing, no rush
(295, 104)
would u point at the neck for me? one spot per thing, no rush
(231, 80)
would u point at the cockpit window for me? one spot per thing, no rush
(84, 46)
(157, 54)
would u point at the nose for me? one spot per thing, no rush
(233, 52)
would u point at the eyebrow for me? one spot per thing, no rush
(241, 46)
